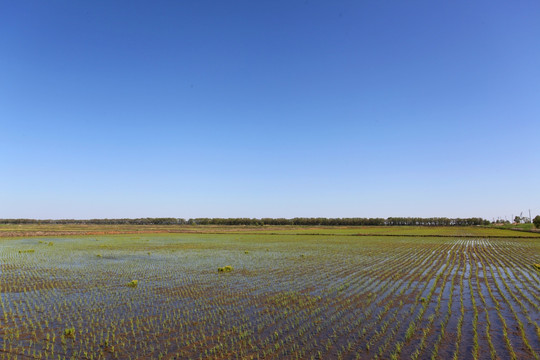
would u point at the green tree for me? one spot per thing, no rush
(536, 221)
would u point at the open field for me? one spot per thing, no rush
(13, 230)
(463, 294)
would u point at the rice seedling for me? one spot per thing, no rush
(69, 332)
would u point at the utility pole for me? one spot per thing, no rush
(530, 218)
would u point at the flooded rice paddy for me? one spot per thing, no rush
(287, 297)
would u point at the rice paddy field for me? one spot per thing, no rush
(446, 293)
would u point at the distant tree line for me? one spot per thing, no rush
(391, 221)
(141, 221)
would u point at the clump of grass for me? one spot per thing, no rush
(537, 266)
(99, 255)
(227, 268)
(69, 332)
(246, 252)
(133, 283)
(26, 251)
(50, 243)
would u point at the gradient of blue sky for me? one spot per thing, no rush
(269, 108)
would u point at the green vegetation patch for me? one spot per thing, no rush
(226, 268)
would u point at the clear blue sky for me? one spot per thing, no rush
(269, 108)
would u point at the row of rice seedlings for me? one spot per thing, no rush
(517, 294)
(357, 330)
(524, 310)
(475, 320)
(398, 321)
(492, 351)
(525, 288)
(290, 327)
(519, 262)
(518, 258)
(524, 284)
(513, 311)
(281, 334)
(404, 315)
(423, 302)
(422, 264)
(23, 325)
(349, 345)
(506, 272)
(444, 322)
(399, 344)
(371, 298)
(461, 316)
(507, 341)
(333, 321)
(421, 346)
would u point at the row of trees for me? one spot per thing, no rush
(141, 221)
(391, 221)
